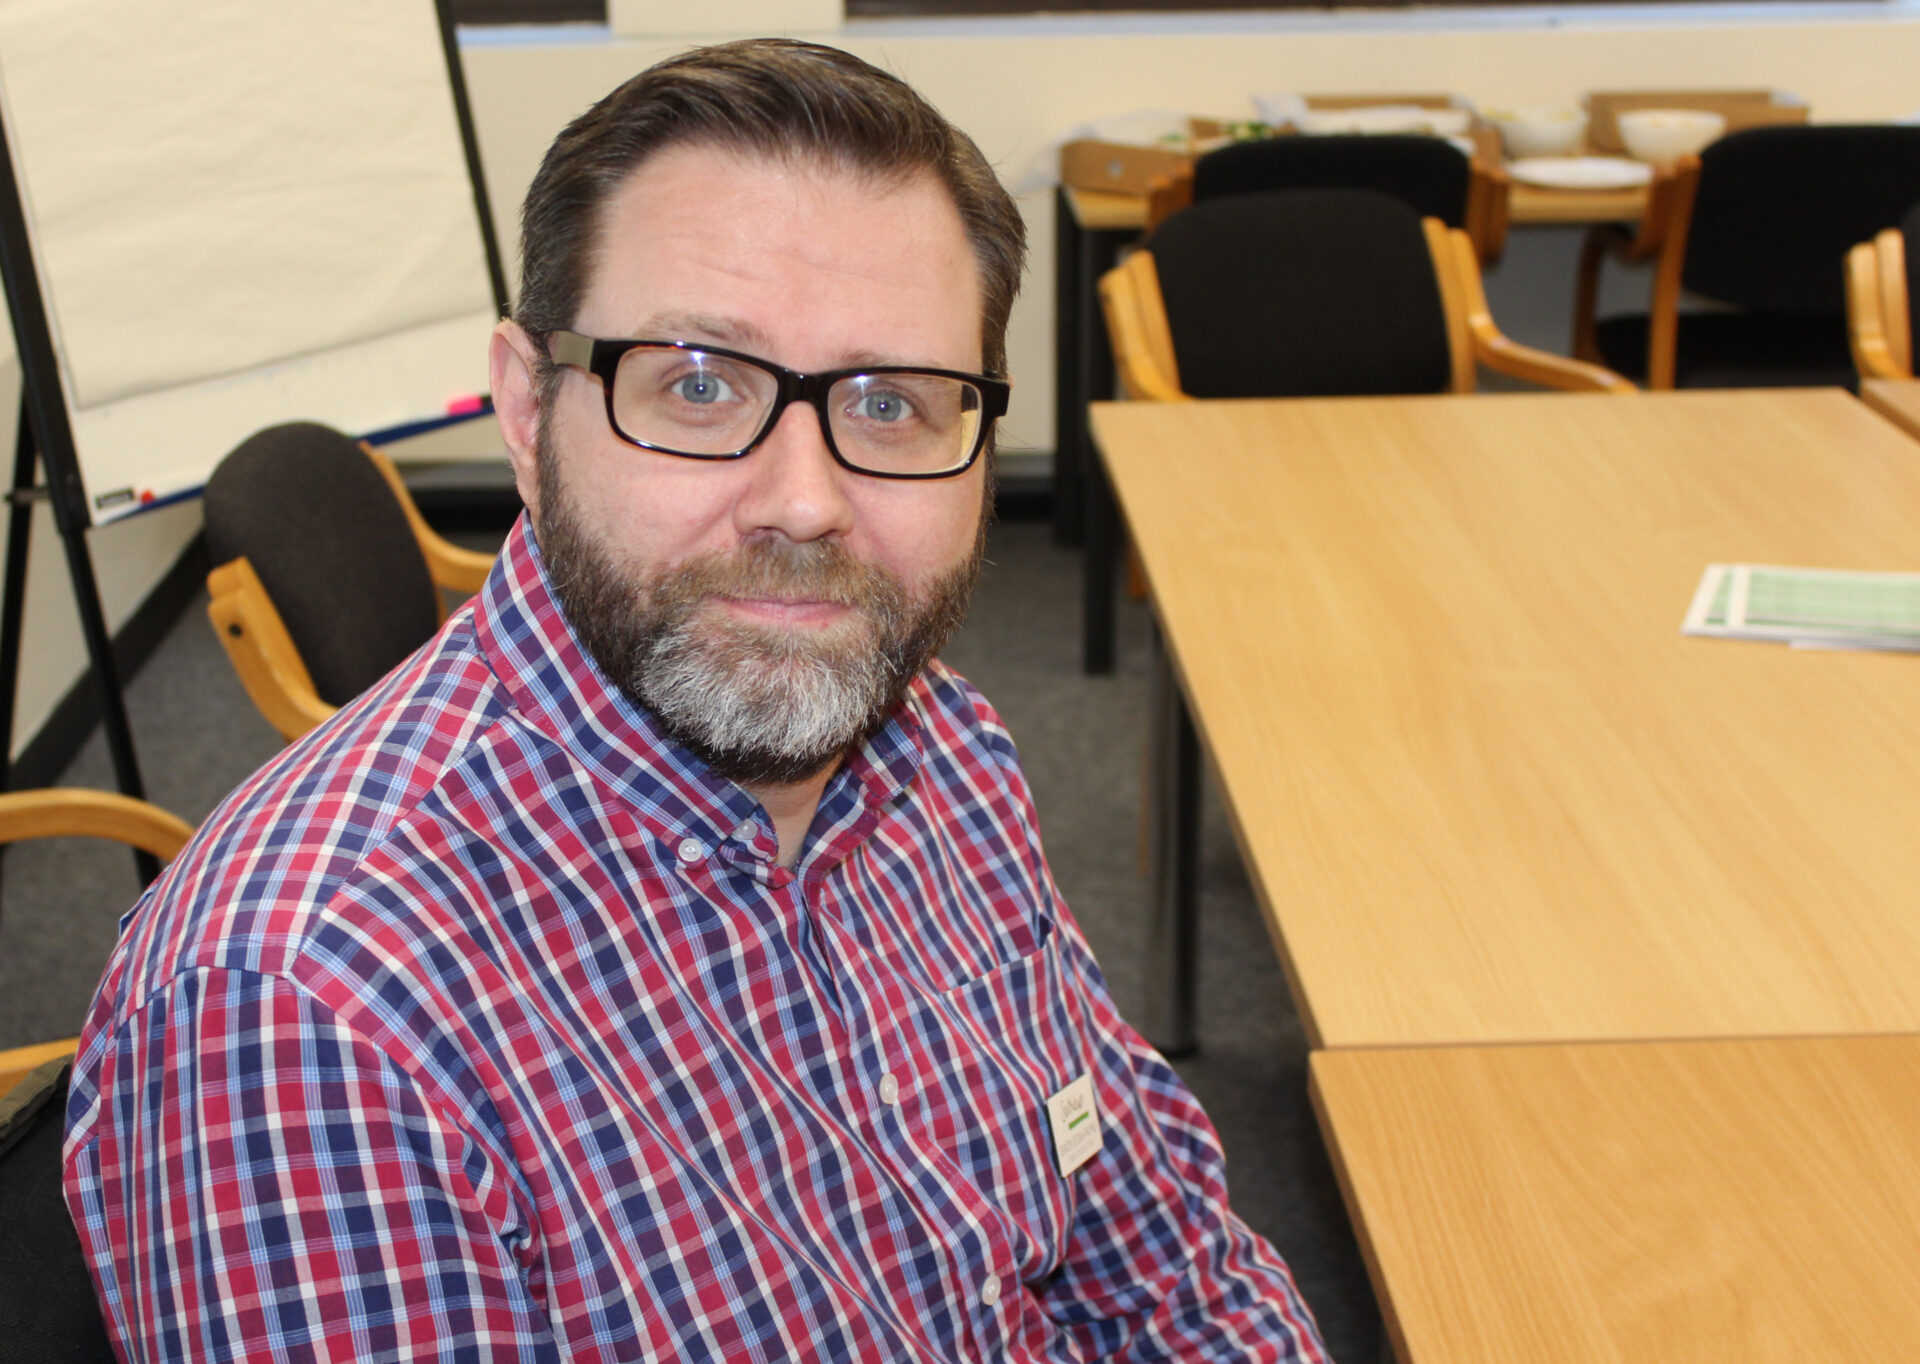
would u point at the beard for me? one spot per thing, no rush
(758, 703)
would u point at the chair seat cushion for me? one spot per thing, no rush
(47, 1308)
(1739, 350)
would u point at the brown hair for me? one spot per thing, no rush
(771, 97)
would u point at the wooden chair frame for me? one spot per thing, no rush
(1662, 238)
(256, 638)
(71, 811)
(1879, 325)
(1143, 344)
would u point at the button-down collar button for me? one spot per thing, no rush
(889, 1090)
(990, 1290)
(691, 850)
(746, 831)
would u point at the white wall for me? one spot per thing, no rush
(1017, 84)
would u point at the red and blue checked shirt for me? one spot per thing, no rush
(482, 1025)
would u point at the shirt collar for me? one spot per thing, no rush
(559, 689)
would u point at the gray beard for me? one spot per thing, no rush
(758, 704)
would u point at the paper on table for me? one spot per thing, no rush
(1825, 607)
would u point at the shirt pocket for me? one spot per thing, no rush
(988, 1052)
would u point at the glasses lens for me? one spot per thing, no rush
(905, 423)
(690, 402)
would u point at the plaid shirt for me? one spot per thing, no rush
(483, 1025)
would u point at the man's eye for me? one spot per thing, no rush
(883, 405)
(702, 388)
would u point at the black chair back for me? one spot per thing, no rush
(1778, 209)
(48, 1314)
(1428, 174)
(332, 547)
(1302, 292)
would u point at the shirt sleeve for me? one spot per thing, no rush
(1157, 1266)
(251, 1180)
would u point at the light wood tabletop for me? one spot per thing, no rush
(1898, 400)
(1660, 1203)
(1485, 789)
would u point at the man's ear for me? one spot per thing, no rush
(513, 371)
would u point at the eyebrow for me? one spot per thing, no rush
(683, 326)
(739, 334)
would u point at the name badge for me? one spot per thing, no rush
(1076, 1125)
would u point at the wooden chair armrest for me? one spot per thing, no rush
(1873, 356)
(261, 650)
(1137, 328)
(1662, 238)
(460, 570)
(1664, 232)
(19, 1062)
(1494, 350)
(62, 811)
(1543, 367)
(1896, 316)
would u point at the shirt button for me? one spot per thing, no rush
(889, 1089)
(691, 850)
(747, 831)
(990, 1290)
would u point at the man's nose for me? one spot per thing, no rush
(794, 484)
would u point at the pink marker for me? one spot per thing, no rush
(466, 406)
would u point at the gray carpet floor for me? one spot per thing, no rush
(1083, 746)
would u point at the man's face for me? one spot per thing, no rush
(769, 610)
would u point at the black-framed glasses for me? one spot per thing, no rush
(706, 402)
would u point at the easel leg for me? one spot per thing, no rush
(93, 625)
(13, 608)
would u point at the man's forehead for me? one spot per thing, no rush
(737, 198)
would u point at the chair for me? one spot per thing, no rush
(1759, 226)
(1428, 174)
(48, 1314)
(1312, 293)
(327, 574)
(57, 812)
(1880, 302)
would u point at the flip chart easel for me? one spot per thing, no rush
(363, 303)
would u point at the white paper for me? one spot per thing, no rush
(225, 185)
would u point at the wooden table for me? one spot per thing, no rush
(1898, 400)
(1648, 1202)
(1485, 789)
(1091, 227)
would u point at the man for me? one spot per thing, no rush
(662, 963)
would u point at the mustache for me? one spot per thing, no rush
(777, 568)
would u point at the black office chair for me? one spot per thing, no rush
(1771, 218)
(48, 1314)
(326, 574)
(1428, 174)
(1320, 292)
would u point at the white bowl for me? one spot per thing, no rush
(1661, 135)
(1540, 132)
